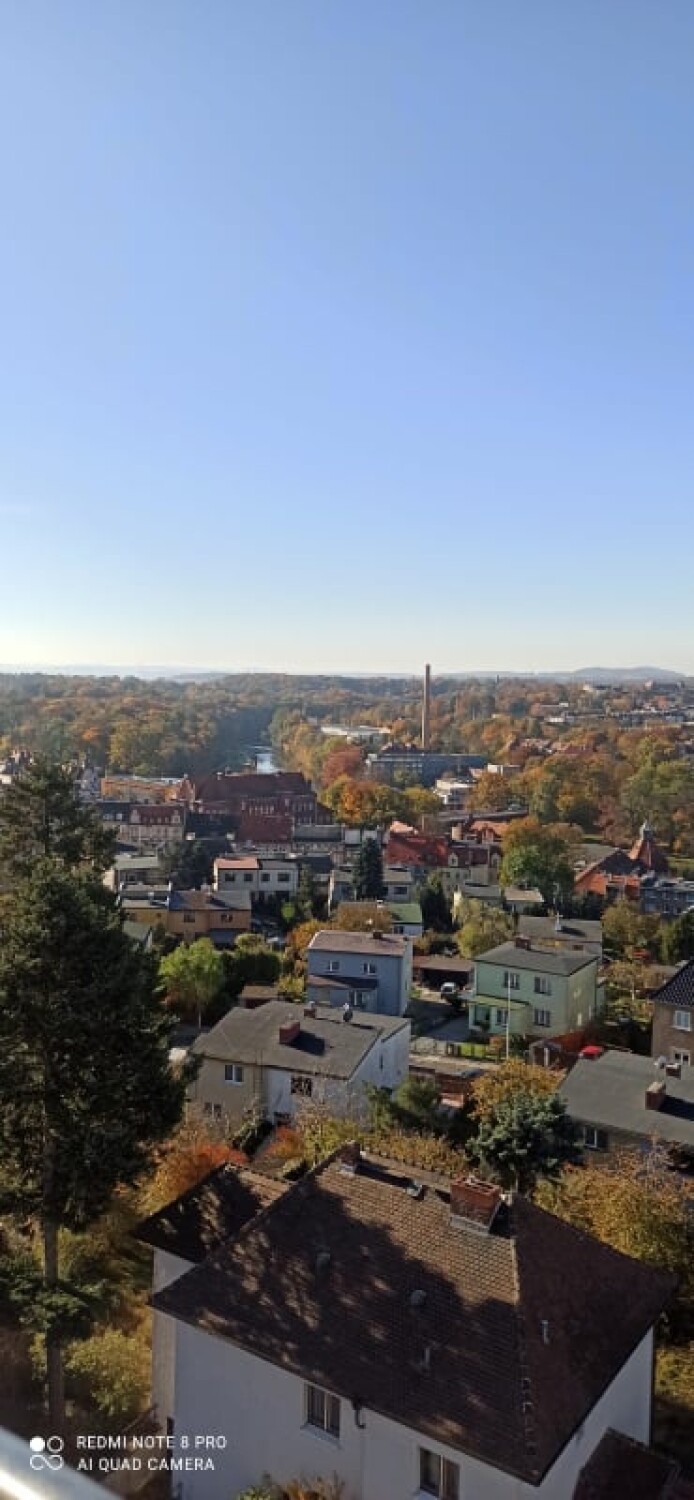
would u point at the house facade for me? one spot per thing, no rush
(435, 1379)
(673, 1018)
(398, 885)
(367, 971)
(189, 915)
(549, 992)
(270, 1059)
(263, 877)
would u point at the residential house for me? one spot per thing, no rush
(621, 1099)
(454, 791)
(182, 1235)
(270, 1058)
(412, 1337)
(219, 916)
(673, 1018)
(398, 883)
(366, 970)
(405, 916)
(144, 827)
(665, 896)
(133, 869)
(457, 863)
(548, 992)
(263, 877)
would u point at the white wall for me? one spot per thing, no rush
(259, 1409)
(342, 1096)
(167, 1268)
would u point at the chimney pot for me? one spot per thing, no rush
(655, 1095)
(288, 1032)
(474, 1202)
(349, 1156)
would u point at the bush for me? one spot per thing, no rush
(110, 1373)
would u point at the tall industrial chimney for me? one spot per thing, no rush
(426, 708)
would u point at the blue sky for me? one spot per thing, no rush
(347, 335)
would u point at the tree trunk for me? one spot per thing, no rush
(54, 1353)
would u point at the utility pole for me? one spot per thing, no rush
(508, 1017)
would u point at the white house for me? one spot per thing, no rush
(263, 877)
(182, 1235)
(272, 1058)
(412, 1337)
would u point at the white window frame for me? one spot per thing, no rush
(333, 965)
(369, 968)
(501, 1018)
(543, 985)
(321, 1411)
(542, 1017)
(595, 1143)
(683, 1020)
(511, 979)
(447, 1486)
(233, 1073)
(684, 1058)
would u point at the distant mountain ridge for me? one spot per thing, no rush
(598, 676)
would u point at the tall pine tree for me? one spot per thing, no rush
(368, 872)
(86, 1090)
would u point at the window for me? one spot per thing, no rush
(189, 916)
(248, 879)
(438, 1476)
(333, 966)
(400, 890)
(265, 877)
(322, 1410)
(681, 1057)
(213, 1109)
(500, 1018)
(594, 1139)
(542, 1017)
(369, 968)
(543, 986)
(233, 1073)
(302, 1085)
(283, 878)
(683, 1020)
(511, 981)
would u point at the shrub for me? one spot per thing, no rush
(110, 1373)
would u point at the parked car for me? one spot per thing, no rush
(448, 991)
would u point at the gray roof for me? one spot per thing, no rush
(539, 960)
(611, 1092)
(680, 989)
(326, 1044)
(388, 943)
(571, 928)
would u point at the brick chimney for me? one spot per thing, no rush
(522, 942)
(474, 1203)
(655, 1095)
(289, 1031)
(673, 1070)
(349, 1156)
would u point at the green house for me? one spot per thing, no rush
(547, 991)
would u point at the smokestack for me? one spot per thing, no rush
(426, 707)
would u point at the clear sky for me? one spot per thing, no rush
(347, 334)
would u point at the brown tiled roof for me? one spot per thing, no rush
(525, 1326)
(217, 786)
(215, 1208)
(336, 941)
(619, 1466)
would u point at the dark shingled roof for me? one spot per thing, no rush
(492, 1386)
(209, 1213)
(680, 989)
(610, 1092)
(325, 1046)
(619, 1466)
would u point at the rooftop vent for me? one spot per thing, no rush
(415, 1190)
(474, 1203)
(417, 1298)
(310, 1009)
(655, 1095)
(323, 1260)
(289, 1032)
(349, 1157)
(347, 1012)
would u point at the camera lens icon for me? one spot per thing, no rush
(47, 1453)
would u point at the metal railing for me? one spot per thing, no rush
(36, 1470)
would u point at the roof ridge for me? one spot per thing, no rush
(526, 1403)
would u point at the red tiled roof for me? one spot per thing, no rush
(525, 1326)
(275, 828)
(220, 785)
